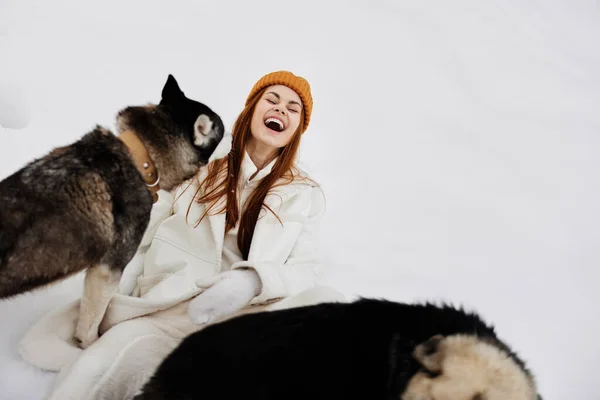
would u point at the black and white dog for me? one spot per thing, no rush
(367, 349)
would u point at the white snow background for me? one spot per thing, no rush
(458, 143)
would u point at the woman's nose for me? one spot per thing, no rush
(281, 110)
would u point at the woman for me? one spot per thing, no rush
(238, 238)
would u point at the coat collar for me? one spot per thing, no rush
(248, 169)
(273, 199)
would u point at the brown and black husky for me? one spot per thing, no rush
(87, 205)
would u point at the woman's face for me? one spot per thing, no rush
(276, 117)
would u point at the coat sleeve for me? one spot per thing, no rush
(302, 268)
(161, 210)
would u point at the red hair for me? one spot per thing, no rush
(223, 176)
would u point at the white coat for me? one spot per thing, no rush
(174, 253)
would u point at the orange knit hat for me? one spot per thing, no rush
(286, 78)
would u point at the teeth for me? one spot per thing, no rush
(276, 121)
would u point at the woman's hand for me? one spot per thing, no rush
(227, 293)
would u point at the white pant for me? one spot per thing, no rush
(117, 365)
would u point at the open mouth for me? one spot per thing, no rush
(274, 124)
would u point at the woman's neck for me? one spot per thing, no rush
(260, 156)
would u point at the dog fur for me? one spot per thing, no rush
(86, 205)
(367, 349)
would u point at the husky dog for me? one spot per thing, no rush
(87, 205)
(367, 349)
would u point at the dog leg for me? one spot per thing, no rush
(100, 283)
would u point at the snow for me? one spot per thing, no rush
(14, 111)
(457, 143)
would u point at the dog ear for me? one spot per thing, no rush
(171, 89)
(430, 354)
